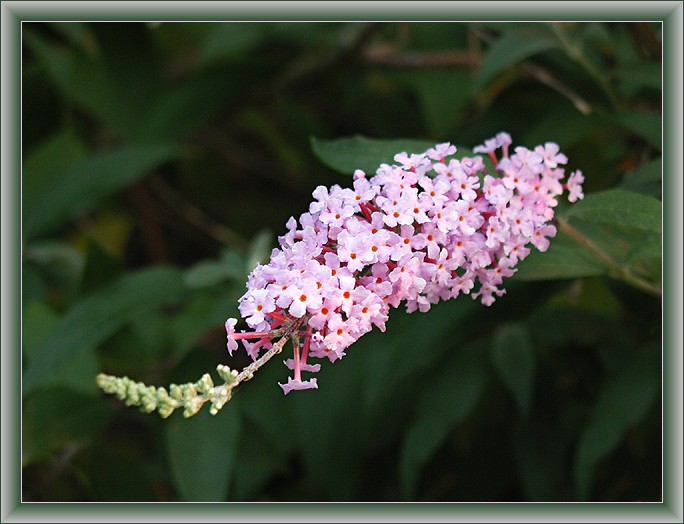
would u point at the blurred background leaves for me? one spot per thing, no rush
(160, 162)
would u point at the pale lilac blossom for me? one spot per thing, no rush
(426, 229)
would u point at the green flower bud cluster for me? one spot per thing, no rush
(190, 396)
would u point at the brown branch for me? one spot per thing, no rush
(195, 216)
(615, 269)
(545, 77)
(388, 57)
(149, 223)
(645, 41)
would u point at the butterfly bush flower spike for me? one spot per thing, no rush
(428, 228)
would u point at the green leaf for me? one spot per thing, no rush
(619, 207)
(446, 401)
(348, 154)
(38, 320)
(624, 400)
(560, 328)
(201, 314)
(133, 474)
(53, 156)
(443, 94)
(38, 323)
(231, 263)
(259, 249)
(59, 63)
(122, 80)
(564, 259)
(511, 48)
(514, 360)
(541, 449)
(633, 78)
(180, 109)
(645, 125)
(622, 230)
(330, 416)
(54, 417)
(94, 319)
(229, 40)
(258, 462)
(387, 369)
(202, 452)
(101, 268)
(57, 263)
(209, 273)
(647, 178)
(54, 200)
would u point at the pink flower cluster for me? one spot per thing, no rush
(424, 230)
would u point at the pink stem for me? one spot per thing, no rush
(307, 343)
(297, 368)
(254, 334)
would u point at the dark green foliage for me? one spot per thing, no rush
(161, 161)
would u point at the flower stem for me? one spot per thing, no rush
(615, 269)
(574, 51)
(248, 372)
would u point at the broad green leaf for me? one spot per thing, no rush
(447, 400)
(122, 80)
(133, 63)
(83, 80)
(624, 400)
(204, 312)
(231, 264)
(635, 77)
(76, 189)
(388, 369)
(57, 263)
(329, 416)
(559, 328)
(348, 154)
(647, 178)
(619, 207)
(101, 268)
(257, 463)
(77, 33)
(122, 470)
(564, 259)
(595, 295)
(541, 449)
(202, 452)
(259, 249)
(53, 156)
(91, 89)
(59, 63)
(54, 417)
(141, 344)
(94, 319)
(180, 109)
(38, 323)
(576, 126)
(228, 40)
(645, 125)
(443, 95)
(209, 273)
(514, 360)
(513, 47)
(647, 251)
(627, 250)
